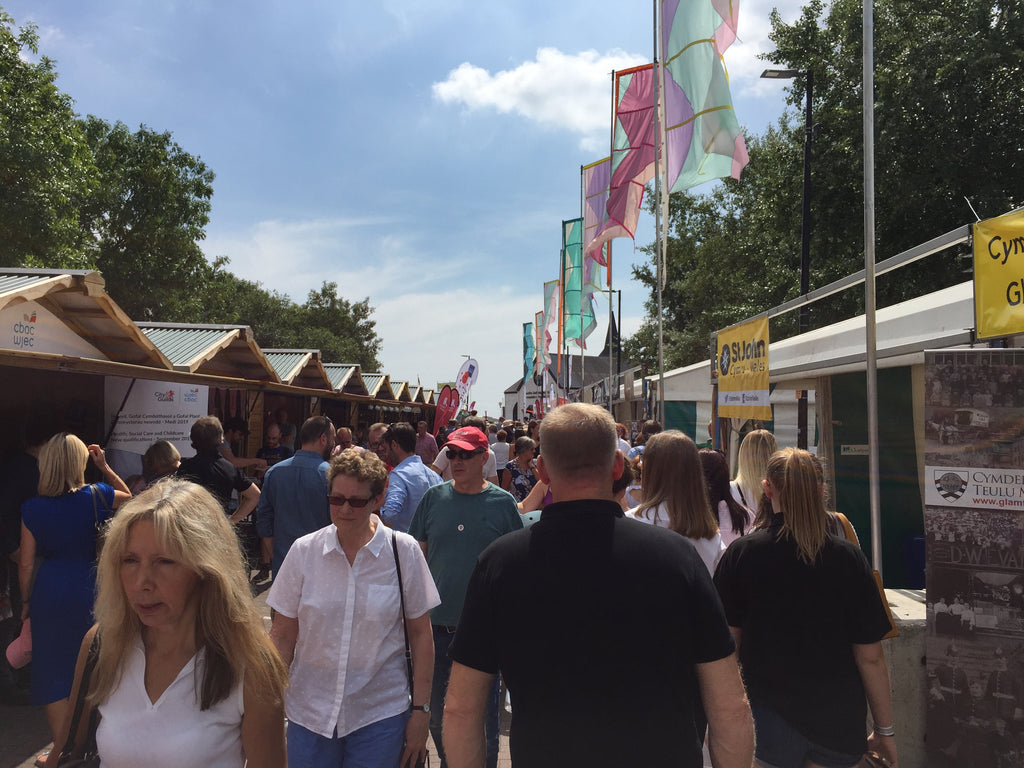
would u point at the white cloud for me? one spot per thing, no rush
(426, 334)
(556, 90)
(742, 60)
(365, 256)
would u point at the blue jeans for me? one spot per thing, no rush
(780, 745)
(377, 745)
(443, 671)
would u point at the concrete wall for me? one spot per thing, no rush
(908, 675)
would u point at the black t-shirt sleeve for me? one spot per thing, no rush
(711, 637)
(868, 621)
(476, 642)
(240, 482)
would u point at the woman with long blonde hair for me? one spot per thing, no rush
(751, 463)
(806, 615)
(185, 672)
(676, 496)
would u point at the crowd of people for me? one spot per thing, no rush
(638, 604)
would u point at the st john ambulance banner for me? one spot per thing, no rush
(743, 370)
(999, 275)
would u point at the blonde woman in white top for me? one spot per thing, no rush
(185, 674)
(752, 462)
(676, 496)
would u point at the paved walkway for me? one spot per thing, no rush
(24, 732)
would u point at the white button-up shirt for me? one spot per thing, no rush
(349, 667)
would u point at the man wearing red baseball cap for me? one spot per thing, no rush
(443, 467)
(454, 523)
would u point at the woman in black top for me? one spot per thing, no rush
(806, 615)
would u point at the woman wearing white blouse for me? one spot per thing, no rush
(339, 625)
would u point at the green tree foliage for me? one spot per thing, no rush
(46, 169)
(949, 94)
(343, 331)
(89, 194)
(148, 215)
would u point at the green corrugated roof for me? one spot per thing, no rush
(373, 382)
(338, 372)
(284, 362)
(12, 283)
(182, 345)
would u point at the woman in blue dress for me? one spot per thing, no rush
(58, 529)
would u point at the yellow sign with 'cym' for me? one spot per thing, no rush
(999, 276)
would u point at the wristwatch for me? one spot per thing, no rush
(422, 707)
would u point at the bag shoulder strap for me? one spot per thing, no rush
(83, 690)
(401, 602)
(743, 499)
(848, 531)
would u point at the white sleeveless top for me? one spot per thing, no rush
(173, 732)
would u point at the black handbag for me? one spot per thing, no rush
(425, 763)
(90, 757)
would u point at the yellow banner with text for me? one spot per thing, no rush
(999, 276)
(743, 371)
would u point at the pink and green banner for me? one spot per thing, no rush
(702, 135)
(596, 180)
(549, 315)
(632, 158)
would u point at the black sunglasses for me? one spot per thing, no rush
(463, 455)
(353, 501)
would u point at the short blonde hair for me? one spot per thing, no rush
(192, 528)
(161, 458)
(364, 466)
(579, 439)
(62, 461)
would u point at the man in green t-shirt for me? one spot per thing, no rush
(454, 523)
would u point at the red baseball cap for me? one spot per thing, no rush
(468, 439)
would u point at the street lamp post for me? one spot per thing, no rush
(805, 225)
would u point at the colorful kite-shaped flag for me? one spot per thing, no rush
(702, 136)
(529, 351)
(632, 158)
(596, 178)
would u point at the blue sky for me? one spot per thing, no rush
(421, 153)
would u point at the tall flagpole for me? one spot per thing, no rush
(613, 389)
(658, 223)
(870, 339)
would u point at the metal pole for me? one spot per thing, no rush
(869, 283)
(658, 223)
(805, 254)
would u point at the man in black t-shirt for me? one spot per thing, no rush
(215, 473)
(609, 633)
